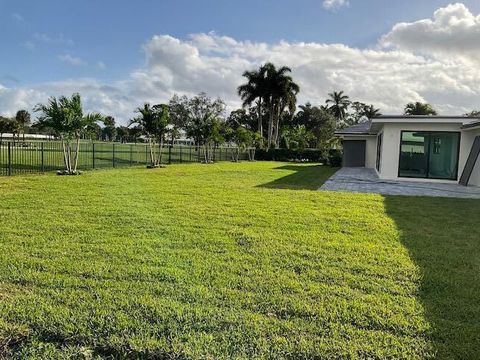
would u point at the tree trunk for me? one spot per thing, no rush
(260, 121)
(270, 125)
(277, 126)
(64, 154)
(76, 154)
(161, 151)
(152, 158)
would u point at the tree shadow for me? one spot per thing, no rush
(301, 177)
(443, 239)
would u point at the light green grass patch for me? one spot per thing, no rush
(232, 261)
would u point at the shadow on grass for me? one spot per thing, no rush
(301, 177)
(443, 238)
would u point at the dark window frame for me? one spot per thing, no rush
(429, 132)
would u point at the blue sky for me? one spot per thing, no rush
(57, 40)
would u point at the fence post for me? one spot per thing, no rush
(43, 166)
(9, 158)
(93, 155)
(131, 154)
(146, 154)
(113, 153)
(180, 147)
(170, 154)
(190, 152)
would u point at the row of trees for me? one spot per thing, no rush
(268, 119)
(17, 125)
(200, 118)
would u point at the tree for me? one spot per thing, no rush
(22, 119)
(203, 121)
(243, 139)
(93, 131)
(371, 112)
(296, 137)
(109, 132)
(281, 96)
(211, 134)
(122, 133)
(65, 117)
(254, 91)
(320, 122)
(361, 113)
(338, 104)
(178, 116)
(473, 113)
(239, 129)
(242, 117)
(154, 121)
(7, 125)
(419, 108)
(134, 133)
(274, 92)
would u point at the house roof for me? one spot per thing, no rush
(371, 127)
(433, 117)
(359, 129)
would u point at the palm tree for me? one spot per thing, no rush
(65, 117)
(254, 91)
(23, 120)
(280, 96)
(473, 113)
(154, 121)
(339, 104)
(273, 90)
(419, 108)
(371, 112)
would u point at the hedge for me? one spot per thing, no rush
(334, 157)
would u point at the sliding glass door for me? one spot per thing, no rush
(431, 155)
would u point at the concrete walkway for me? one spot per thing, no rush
(366, 181)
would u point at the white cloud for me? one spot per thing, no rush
(454, 32)
(72, 60)
(388, 76)
(101, 65)
(335, 4)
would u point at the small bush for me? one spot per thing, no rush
(335, 158)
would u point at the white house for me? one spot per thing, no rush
(420, 148)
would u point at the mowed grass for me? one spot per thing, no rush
(233, 261)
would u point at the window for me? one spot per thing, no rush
(431, 155)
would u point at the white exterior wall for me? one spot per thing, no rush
(468, 137)
(391, 147)
(370, 149)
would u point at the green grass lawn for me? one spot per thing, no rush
(233, 261)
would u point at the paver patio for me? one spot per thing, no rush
(364, 180)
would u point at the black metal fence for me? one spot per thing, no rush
(37, 157)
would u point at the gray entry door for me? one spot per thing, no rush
(354, 153)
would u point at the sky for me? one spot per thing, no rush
(119, 54)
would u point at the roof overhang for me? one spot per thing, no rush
(421, 120)
(472, 126)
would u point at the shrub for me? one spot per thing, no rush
(335, 158)
(307, 155)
